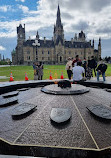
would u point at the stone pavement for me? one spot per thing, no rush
(84, 131)
(10, 156)
(108, 78)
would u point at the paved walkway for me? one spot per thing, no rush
(10, 156)
(92, 79)
(108, 78)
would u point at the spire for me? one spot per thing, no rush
(99, 42)
(58, 11)
(58, 28)
(58, 21)
(37, 35)
(93, 42)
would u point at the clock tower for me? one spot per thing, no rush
(20, 41)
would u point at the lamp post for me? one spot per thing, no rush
(36, 44)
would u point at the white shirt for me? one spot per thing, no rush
(77, 73)
(69, 65)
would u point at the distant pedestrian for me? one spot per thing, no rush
(78, 72)
(35, 67)
(69, 68)
(74, 63)
(101, 69)
(88, 71)
(84, 64)
(40, 71)
(93, 65)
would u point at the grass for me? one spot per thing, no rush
(18, 72)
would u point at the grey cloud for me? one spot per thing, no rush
(53, 4)
(82, 25)
(43, 32)
(90, 5)
(46, 32)
(97, 5)
(104, 30)
(66, 16)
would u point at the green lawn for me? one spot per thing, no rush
(18, 72)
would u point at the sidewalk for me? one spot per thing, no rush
(11, 156)
(108, 78)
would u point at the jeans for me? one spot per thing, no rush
(69, 73)
(103, 74)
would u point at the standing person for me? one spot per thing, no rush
(101, 69)
(69, 68)
(78, 72)
(84, 64)
(40, 71)
(88, 71)
(74, 63)
(35, 67)
(93, 65)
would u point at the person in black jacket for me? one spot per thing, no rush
(101, 69)
(93, 65)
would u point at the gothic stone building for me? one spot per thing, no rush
(54, 51)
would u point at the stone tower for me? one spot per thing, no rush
(20, 41)
(59, 39)
(58, 28)
(99, 49)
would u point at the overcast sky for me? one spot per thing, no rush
(91, 16)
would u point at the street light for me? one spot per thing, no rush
(36, 44)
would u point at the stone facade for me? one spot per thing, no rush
(54, 51)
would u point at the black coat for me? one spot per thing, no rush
(92, 63)
(102, 68)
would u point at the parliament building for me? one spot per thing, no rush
(54, 51)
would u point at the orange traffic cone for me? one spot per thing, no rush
(11, 77)
(50, 76)
(62, 76)
(26, 77)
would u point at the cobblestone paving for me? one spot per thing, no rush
(83, 131)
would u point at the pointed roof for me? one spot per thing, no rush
(37, 35)
(58, 11)
(58, 21)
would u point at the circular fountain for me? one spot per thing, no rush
(65, 88)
